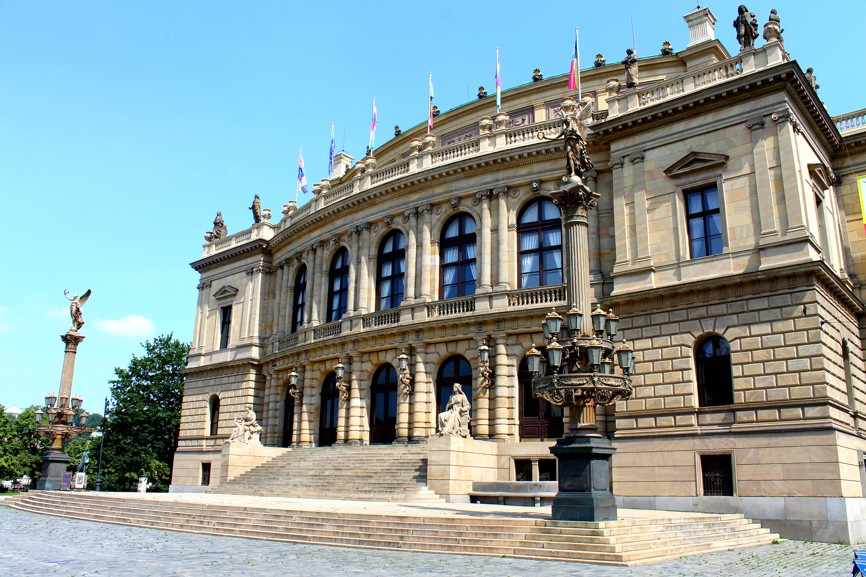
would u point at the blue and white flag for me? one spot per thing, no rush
(331, 157)
(302, 178)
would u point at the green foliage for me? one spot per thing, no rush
(141, 432)
(21, 447)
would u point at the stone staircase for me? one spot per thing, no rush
(371, 473)
(633, 540)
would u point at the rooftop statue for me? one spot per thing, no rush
(75, 305)
(454, 420)
(219, 227)
(575, 127)
(746, 25)
(631, 68)
(257, 210)
(247, 429)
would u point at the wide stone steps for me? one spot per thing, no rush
(372, 473)
(623, 542)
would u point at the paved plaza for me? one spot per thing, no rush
(42, 545)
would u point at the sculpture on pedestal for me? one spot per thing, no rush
(454, 420)
(219, 227)
(247, 429)
(631, 68)
(575, 127)
(746, 25)
(257, 210)
(75, 305)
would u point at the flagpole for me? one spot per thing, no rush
(498, 84)
(298, 186)
(430, 105)
(577, 49)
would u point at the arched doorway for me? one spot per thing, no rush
(329, 411)
(538, 418)
(383, 405)
(455, 369)
(288, 419)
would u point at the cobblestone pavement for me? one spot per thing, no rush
(42, 545)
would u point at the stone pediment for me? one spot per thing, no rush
(823, 177)
(695, 161)
(224, 292)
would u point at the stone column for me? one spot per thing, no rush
(343, 414)
(481, 407)
(297, 418)
(594, 234)
(312, 304)
(788, 128)
(426, 251)
(421, 412)
(485, 254)
(279, 300)
(310, 385)
(270, 416)
(354, 261)
(200, 329)
(71, 339)
(363, 272)
(288, 298)
(502, 398)
(411, 256)
(355, 433)
(620, 224)
(404, 400)
(644, 258)
(503, 265)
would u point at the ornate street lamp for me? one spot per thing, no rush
(405, 377)
(583, 375)
(293, 385)
(484, 370)
(342, 386)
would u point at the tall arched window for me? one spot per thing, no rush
(329, 411)
(458, 257)
(392, 263)
(713, 367)
(299, 299)
(338, 287)
(454, 370)
(539, 230)
(213, 415)
(383, 405)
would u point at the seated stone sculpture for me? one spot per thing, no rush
(247, 429)
(454, 421)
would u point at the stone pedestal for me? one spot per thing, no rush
(54, 464)
(584, 480)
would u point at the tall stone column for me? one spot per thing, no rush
(310, 385)
(288, 305)
(503, 264)
(278, 302)
(421, 417)
(788, 128)
(363, 268)
(297, 417)
(312, 304)
(485, 255)
(411, 255)
(502, 400)
(619, 201)
(199, 330)
(763, 187)
(426, 251)
(594, 234)
(355, 432)
(355, 257)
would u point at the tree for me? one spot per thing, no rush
(21, 447)
(141, 433)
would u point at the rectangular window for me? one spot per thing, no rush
(718, 475)
(225, 326)
(704, 221)
(205, 474)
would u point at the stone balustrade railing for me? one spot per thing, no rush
(389, 172)
(381, 319)
(262, 230)
(451, 307)
(852, 121)
(547, 295)
(338, 193)
(661, 91)
(456, 151)
(328, 330)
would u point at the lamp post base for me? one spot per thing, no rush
(584, 480)
(54, 464)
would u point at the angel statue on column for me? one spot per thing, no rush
(75, 304)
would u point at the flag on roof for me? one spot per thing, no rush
(498, 84)
(302, 178)
(572, 71)
(331, 154)
(373, 127)
(430, 107)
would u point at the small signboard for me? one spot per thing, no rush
(142, 484)
(80, 481)
(67, 481)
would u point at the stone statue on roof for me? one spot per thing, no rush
(746, 25)
(257, 210)
(631, 68)
(219, 227)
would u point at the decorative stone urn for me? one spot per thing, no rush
(485, 125)
(415, 146)
(429, 142)
(370, 163)
(501, 121)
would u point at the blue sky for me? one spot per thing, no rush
(125, 126)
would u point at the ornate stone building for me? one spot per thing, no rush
(728, 239)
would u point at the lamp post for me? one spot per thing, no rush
(581, 353)
(101, 444)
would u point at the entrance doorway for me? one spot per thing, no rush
(538, 418)
(383, 405)
(288, 419)
(329, 411)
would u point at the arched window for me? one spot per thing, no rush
(539, 232)
(454, 370)
(213, 415)
(338, 287)
(538, 418)
(713, 367)
(329, 411)
(383, 405)
(392, 263)
(300, 299)
(458, 257)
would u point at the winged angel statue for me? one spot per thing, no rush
(575, 125)
(75, 304)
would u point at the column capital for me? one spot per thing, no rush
(755, 123)
(500, 191)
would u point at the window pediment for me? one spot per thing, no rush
(695, 161)
(821, 175)
(225, 292)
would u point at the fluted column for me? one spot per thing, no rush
(310, 386)
(363, 270)
(312, 304)
(485, 255)
(502, 400)
(421, 417)
(411, 256)
(426, 251)
(278, 300)
(354, 261)
(288, 298)
(355, 432)
(594, 234)
(503, 264)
